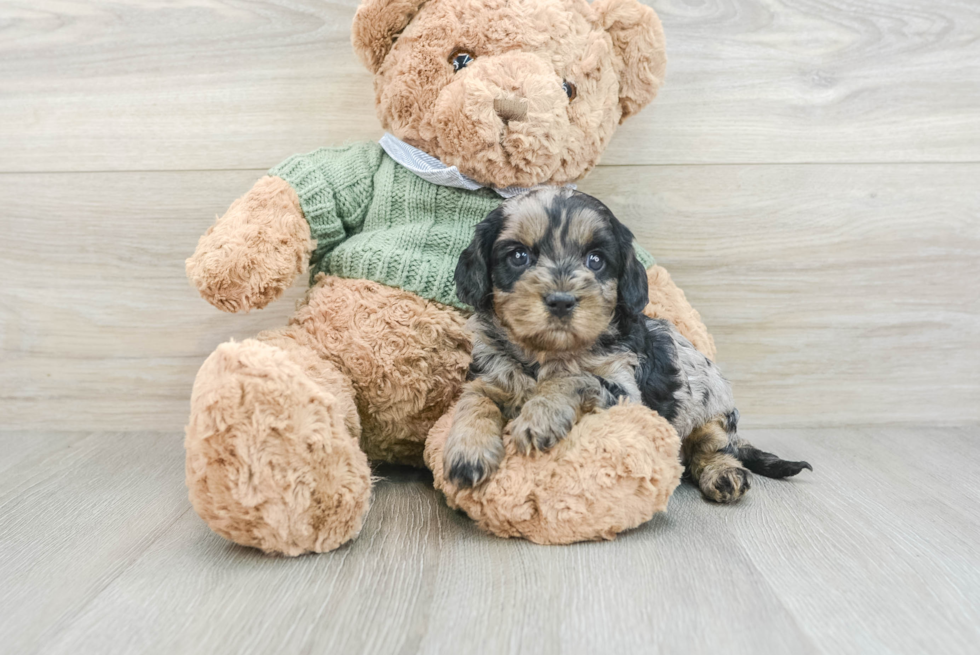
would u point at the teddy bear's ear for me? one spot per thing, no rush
(638, 38)
(377, 24)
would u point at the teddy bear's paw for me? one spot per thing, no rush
(724, 484)
(255, 251)
(223, 279)
(543, 422)
(614, 471)
(472, 455)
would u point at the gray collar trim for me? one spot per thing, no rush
(432, 170)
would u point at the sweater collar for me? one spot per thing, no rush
(432, 170)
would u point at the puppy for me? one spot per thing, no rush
(559, 331)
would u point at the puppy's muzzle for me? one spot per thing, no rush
(560, 304)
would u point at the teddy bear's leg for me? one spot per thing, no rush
(721, 476)
(273, 459)
(667, 301)
(407, 359)
(612, 472)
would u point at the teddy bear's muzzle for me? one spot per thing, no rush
(503, 120)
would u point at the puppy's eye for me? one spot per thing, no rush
(460, 59)
(569, 89)
(518, 257)
(594, 261)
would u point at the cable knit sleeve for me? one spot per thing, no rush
(335, 186)
(645, 257)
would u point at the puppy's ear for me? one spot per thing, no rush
(377, 24)
(632, 287)
(638, 39)
(474, 283)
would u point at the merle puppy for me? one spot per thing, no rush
(559, 331)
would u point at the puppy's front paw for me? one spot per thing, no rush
(724, 484)
(542, 424)
(471, 457)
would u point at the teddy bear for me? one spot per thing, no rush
(481, 99)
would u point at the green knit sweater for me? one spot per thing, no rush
(374, 219)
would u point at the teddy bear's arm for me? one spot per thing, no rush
(668, 301)
(254, 251)
(298, 213)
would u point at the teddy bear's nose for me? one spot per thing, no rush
(510, 109)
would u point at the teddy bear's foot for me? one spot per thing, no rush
(272, 455)
(614, 471)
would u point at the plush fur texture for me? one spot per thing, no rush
(638, 39)
(272, 455)
(506, 118)
(282, 426)
(613, 472)
(255, 251)
(406, 358)
(667, 301)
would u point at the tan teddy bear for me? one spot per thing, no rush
(481, 98)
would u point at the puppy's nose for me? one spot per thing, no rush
(510, 109)
(560, 304)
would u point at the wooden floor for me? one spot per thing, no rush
(810, 175)
(875, 552)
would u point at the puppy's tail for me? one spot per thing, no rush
(766, 464)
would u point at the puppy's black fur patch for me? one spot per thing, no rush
(474, 283)
(634, 290)
(657, 375)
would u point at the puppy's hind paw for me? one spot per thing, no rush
(724, 485)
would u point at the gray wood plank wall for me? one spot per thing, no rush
(809, 174)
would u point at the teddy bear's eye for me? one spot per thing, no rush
(460, 59)
(570, 89)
